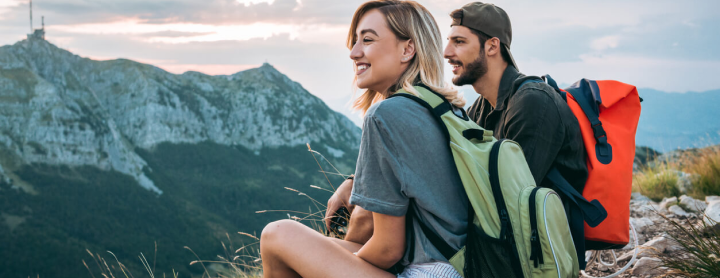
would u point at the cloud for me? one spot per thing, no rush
(9, 5)
(182, 32)
(215, 12)
(675, 75)
(247, 3)
(186, 32)
(605, 43)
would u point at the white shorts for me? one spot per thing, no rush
(430, 270)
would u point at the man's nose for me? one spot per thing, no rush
(448, 52)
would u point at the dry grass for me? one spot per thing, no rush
(659, 179)
(241, 263)
(656, 182)
(705, 163)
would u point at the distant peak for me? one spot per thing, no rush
(269, 69)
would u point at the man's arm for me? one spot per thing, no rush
(534, 122)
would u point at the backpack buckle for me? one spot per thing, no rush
(599, 132)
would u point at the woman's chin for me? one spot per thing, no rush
(362, 85)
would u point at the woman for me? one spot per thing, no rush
(404, 167)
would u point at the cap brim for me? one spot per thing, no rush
(512, 60)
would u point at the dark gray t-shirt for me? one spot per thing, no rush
(404, 155)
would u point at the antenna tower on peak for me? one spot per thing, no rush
(31, 27)
(36, 33)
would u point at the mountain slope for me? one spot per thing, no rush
(70, 110)
(679, 120)
(117, 155)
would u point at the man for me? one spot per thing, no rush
(533, 115)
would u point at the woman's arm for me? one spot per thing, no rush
(360, 228)
(387, 245)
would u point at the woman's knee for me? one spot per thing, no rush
(276, 232)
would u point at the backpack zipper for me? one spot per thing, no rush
(535, 247)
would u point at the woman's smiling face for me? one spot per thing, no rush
(378, 54)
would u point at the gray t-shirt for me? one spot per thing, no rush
(404, 155)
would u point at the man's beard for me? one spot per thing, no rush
(472, 72)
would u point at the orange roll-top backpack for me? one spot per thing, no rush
(608, 113)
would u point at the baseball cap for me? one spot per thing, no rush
(490, 20)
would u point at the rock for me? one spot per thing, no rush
(684, 181)
(602, 267)
(643, 252)
(678, 211)
(649, 209)
(712, 214)
(668, 201)
(663, 244)
(638, 197)
(631, 244)
(710, 199)
(648, 266)
(641, 224)
(658, 245)
(692, 204)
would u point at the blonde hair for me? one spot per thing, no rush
(408, 20)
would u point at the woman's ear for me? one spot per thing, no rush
(408, 50)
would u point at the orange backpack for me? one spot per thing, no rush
(608, 113)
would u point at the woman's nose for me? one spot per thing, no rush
(356, 52)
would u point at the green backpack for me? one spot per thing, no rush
(519, 229)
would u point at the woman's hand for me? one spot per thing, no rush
(341, 198)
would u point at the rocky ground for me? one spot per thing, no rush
(655, 233)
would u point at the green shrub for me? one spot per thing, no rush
(700, 251)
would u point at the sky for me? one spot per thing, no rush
(665, 45)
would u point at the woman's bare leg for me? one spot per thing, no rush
(291, 249)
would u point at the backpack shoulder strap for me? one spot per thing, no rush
(587, 95)
(434, 102)
(428, 98)
(436, 240)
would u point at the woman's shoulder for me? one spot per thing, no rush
(396, 108)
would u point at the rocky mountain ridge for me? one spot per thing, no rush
(61, 109)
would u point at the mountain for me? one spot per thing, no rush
(118, 155)
(669, 121)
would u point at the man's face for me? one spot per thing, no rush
(466, 55)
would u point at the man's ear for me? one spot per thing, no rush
(408, 50)
(492, 47)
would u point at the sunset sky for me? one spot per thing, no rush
(665, 45)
